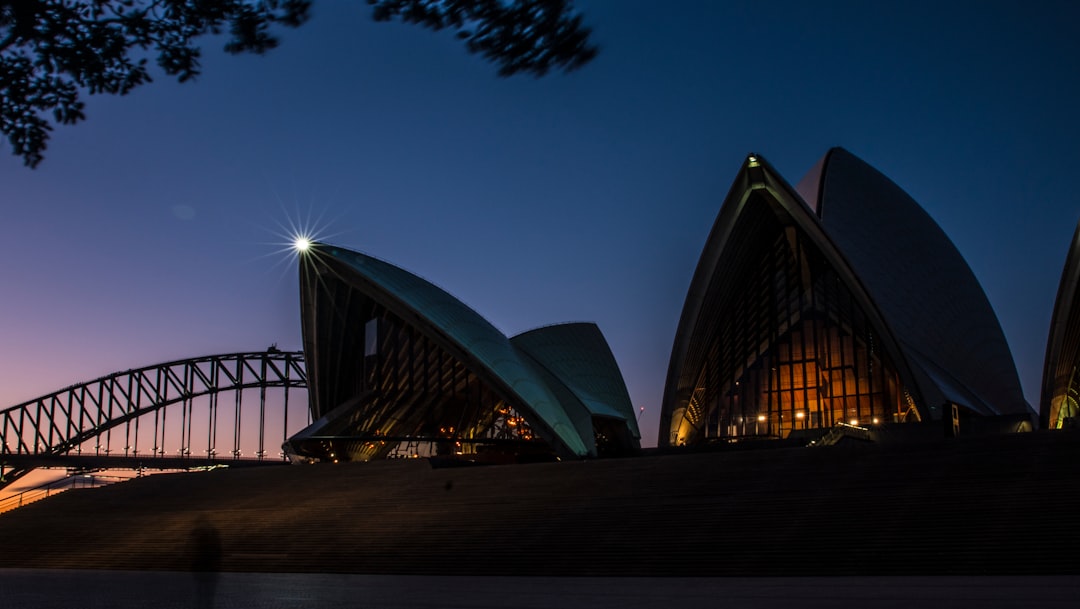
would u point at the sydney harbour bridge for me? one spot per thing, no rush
(233, 409)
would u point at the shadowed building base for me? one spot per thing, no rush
(964, 506)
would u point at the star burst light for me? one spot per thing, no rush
(301, 243)
(296, 237)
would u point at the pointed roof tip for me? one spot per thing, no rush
(809, 186)
(835, 151)
(559, 324)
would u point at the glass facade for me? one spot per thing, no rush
(1059, 406)
(1066, 406)
(781, 345)
(407, 396)
(397, 367)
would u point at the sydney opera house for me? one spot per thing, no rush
(836, 302)
(397, 367)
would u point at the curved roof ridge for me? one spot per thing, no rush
(757, 174)
(423, 278)
(473, 335)
(809, 187)
(914, 272)
(579, 356)
(554, 325)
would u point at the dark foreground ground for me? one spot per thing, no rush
(991, 506)
(67, 589)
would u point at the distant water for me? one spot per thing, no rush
(48, 589)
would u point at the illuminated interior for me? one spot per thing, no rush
(396, 392)
(780, 344)
(398, 367)
(1060, 401)
(1065, 405)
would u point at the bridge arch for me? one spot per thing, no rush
(63, 421)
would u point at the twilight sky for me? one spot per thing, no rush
(154, 230)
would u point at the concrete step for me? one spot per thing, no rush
(991, 505)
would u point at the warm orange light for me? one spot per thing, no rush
(799, 415)
(761, 418)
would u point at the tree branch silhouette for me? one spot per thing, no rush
(52, 51)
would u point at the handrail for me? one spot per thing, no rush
(842, 430)
(55, 487)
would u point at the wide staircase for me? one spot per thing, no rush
(977, 505)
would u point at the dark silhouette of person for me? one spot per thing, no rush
(205, 546)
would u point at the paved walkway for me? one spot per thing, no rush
(45, 589)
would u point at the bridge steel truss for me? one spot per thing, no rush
(61, 422)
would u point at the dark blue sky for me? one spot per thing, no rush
(152, 231)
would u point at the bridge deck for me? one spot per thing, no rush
(121, 462)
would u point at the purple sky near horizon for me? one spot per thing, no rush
(153, 231)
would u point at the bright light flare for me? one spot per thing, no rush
(296, 239)
(301, 244)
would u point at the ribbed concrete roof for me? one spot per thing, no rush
(908, 277)
(579, 357)
(420, 301)
(920, 282)
(757, 189)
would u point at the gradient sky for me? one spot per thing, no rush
(153, 230)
